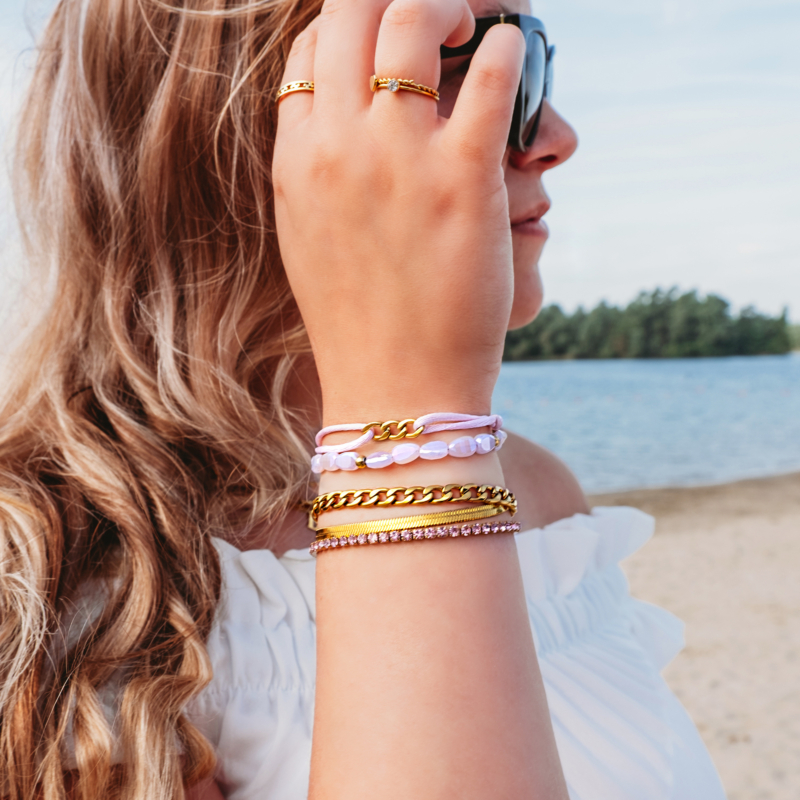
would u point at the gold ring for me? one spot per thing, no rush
(294, 86)
(395, 84)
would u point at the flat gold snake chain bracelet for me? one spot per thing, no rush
(460, 515)
(413, 496)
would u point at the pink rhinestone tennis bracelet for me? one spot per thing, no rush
(434, 532)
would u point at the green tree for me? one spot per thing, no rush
(657, 324)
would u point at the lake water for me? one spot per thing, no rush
(677, 422)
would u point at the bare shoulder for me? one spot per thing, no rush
(545, 487)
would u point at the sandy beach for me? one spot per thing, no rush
(725, 559)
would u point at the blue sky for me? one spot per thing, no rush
(688, 171)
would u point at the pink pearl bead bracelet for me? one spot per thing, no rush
(406, 452)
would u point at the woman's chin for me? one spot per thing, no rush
(528, 297)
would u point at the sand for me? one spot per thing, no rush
(726, 560)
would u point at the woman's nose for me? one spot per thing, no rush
(555, 142)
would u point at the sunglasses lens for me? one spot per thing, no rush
(533, 84)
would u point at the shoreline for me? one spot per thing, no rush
(672, 506)
(724, 559)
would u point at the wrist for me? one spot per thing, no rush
(402, 397)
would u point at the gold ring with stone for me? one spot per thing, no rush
(294, 86)
(395, 84)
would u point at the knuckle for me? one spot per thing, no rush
(330, 9)
(493, 77)
(468, 147)
(408, 13)
(303, 42)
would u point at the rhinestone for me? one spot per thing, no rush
(418, 533)
(503, 528)
(353, 539)
(394, 536)
(430, 533)
(486, 528)
(326, 544)
(440, 532)
(393, 85)
(453, 530)
(373, 538)
(406, 536)
(383, 537)
(466, 530)
(334, 542)
(362, 539)
(495, 527)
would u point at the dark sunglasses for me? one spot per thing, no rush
(537, 73)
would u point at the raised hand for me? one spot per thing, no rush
(393, 221)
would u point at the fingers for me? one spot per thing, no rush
(482, 115)
(345, 54)
(408, 43)
(299, 67)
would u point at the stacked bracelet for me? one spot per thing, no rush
(407, 523)
(415, 495)
(415, 534)
(405, 453)
(406, 429)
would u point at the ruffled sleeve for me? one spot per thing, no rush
(258, 710)
(600, 652)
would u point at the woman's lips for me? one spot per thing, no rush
(535, 226)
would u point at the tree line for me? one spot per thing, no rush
(657, 324)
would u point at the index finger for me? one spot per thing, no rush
(482, 114)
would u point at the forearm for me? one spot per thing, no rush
(427, 680)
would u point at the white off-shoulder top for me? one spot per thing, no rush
(621, 733)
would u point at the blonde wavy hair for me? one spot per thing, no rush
(148, 411)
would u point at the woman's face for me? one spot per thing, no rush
(555, 142)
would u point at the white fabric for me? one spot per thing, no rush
(621, 733)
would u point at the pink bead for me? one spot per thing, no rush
(379, 460)
(316, 464)
(347, 461)
(431, 451)
(463, 447)
(405, 453)
(329, 462)
(485, 442)
(501, 436)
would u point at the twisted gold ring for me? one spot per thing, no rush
(395, 84)
(294, 86)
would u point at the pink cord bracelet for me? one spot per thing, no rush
(429, 423)
(406, 452)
